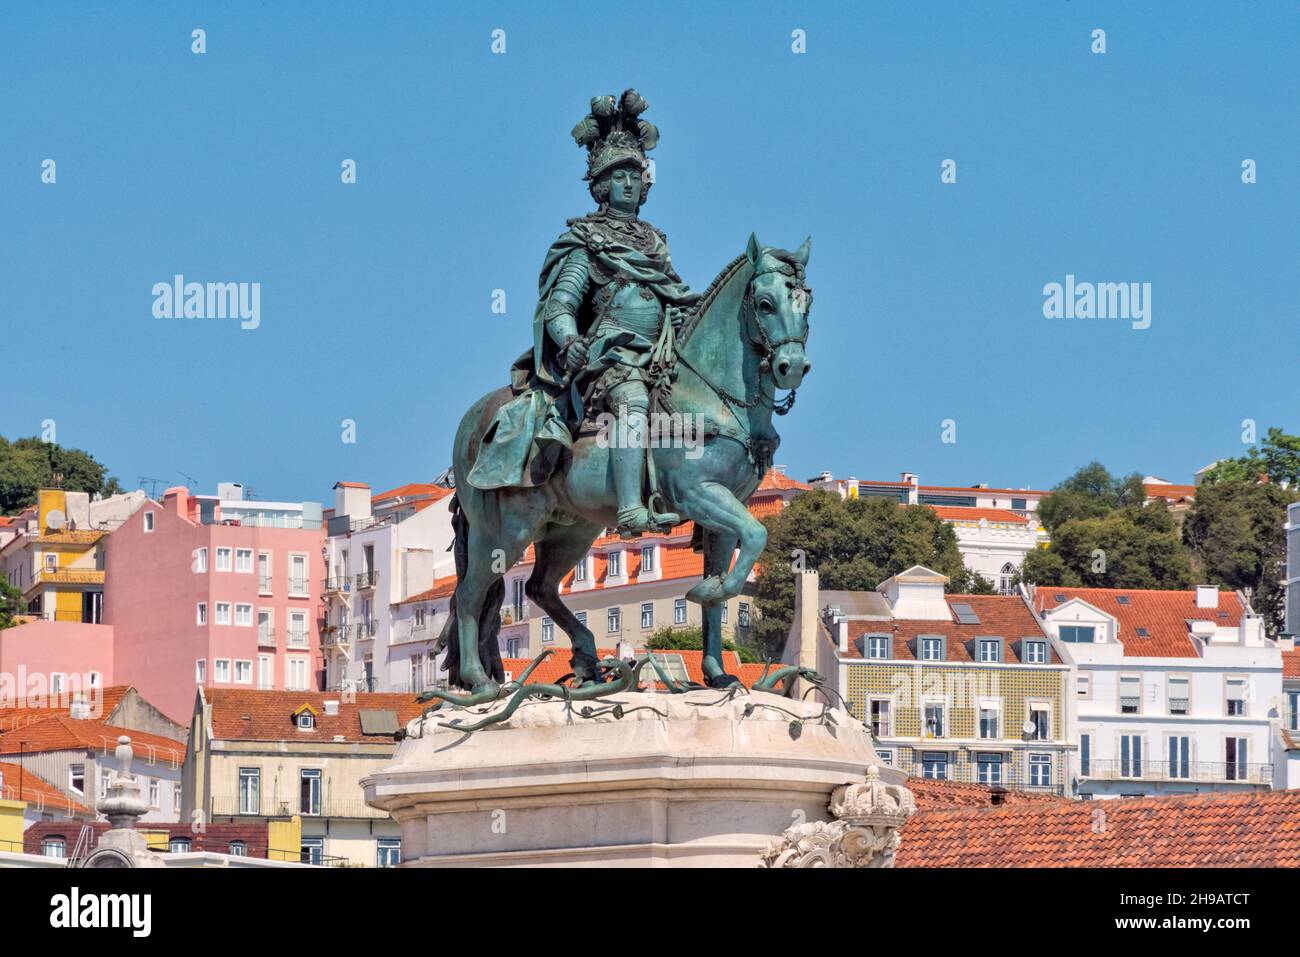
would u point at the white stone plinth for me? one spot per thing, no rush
(704, 782)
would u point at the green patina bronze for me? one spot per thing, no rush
(620, 346)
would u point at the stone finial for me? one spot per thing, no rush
(124, 755)
(863, 834)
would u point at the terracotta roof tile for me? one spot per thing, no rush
(1291, 663)
(106, 704)
(1000, 616)
(934, 795)
(1219, 829)
(557, 665)
(442, 588)
(247, 715)
(412, 489)
(960, 513)
(61, 733)
(1162, 613)
(775, 480)
(21, 784)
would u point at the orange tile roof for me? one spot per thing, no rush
(1174, 492)
(945, 795)
(442, 588)
(247, 715)
(411, 489)
(109, 699)
(1002, 616)
(61, 733)
(1291, 663)
(37, 792)
(976, 489)
(558, 665)
(1163, 613)
(962, 513)
(1218, 829)
(774, 480)
(351, 485)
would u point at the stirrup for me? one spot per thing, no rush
(637, 519)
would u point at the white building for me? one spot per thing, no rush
(995, 527)
(1173, 691)
(380, 552)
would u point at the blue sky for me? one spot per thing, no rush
(376, 297)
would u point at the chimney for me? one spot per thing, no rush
(1286, 642)
(230, 491)
(332, 708)
(177, 500)
(1207, 596)
(801, 646)
(352, 499)
(908, 478)
(80, 709)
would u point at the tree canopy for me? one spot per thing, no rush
(1277, 457)
(28, 465)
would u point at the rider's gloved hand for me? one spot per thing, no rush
(575, 354)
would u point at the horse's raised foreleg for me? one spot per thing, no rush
(714, 507)
(557, 551)
(718, 549)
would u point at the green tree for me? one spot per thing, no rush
(11, 603)
(1278, 457)
(668, 638)
(1235, 533)
(28, 465)
(1104, 535)
(853, 544)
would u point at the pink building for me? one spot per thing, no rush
(214, 591)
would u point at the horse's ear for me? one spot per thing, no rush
(753, 251)
(801, 255)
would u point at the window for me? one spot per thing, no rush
(1180, 750)
(1179, 695)
(679, 611)
(1036, 652)
(1130, 756)
(313, 851)
(77, 778)
(57, 682)
(988, 721)
(877, 646)
(933, 724)
(580, 570)
(200, 560)
(244, 560)
(244, 672)
(155, 793)
(1040, 770)
(882, 721)
(309, 791)
(244, 616)
(238, 849)
(1292, 716)
(647, 558)
(514, 648)
(148, 521)
(295, 674)
(1085, 755)
(55, 846)
(1078, 634)
(725, 607)
(1083, 685)
(548, 631)
(647, 614)
(934, 765)
(265, 673)
(221, 670)
(1040, 716)
(201, 671)
(250, 791)
(1130, 694)
(223, 613)
(179, 845)
(1234, 756)
(742, 615)
(932, 649)
(223, 559)
(1236, 696)
(615, 561)
(988, 768)
(389, 852)
(582, 618)
(1007, 579)
(306, 721)
(990, 650)
(886, 758)
(298, 575)
(418, 623)
(264, 573)
(297, 629)
(614, 620)
(201, 613)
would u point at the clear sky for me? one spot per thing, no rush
(376, 297)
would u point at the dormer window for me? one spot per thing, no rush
(306, 721)
(988, 650)
(1078, 634)
(1036, 652)
(931, 647)
(877, 646)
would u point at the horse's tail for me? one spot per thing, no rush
(489, 624)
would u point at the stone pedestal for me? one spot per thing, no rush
(702, 779)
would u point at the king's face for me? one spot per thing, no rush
(625, 189)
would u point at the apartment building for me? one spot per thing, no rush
(381, 551)
(276, 754)
(995, 527)
(215, 591)
(963, 688)
(1173, 691)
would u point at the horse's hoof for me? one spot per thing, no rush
(723, 680)
(707, 592)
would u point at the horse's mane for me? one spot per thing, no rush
(706, 300)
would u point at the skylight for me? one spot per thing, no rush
(1121, 599)
(1143, 633)
(965, 613)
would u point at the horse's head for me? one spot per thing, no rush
(777, 304)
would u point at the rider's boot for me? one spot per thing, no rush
(629, 463)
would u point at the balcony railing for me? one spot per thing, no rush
(298, 639)
(366, 629)
(230, 805)
(264, 584)
(298, 588)
(341, 583)
(1179, 771)
(69, 576)
(266, 637)
(514, 614)
(1010, 774)
(367, 579)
